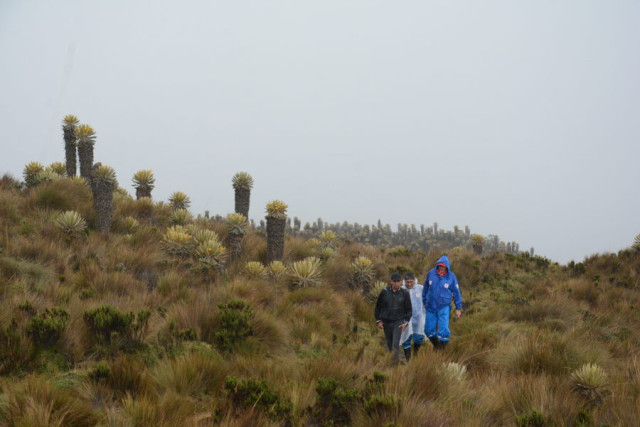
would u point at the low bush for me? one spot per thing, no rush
(110, 326)
(531, 419)
(383, 407)
(47, 327)
(335, 403)
(256, 393)
(235, 324)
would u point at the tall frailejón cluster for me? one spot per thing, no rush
(69, 124)
(276, 221)
(242, 184)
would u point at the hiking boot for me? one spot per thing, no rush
(435, 341)
(407, 353)
(416, 347)
(442, 345)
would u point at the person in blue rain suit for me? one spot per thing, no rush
(440, 285)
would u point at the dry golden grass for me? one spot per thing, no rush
(34, 401)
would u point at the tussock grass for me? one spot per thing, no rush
(35, 401)
(270, 334)
(169, 409)
(477, 337)
(191, 374)
(540, 351)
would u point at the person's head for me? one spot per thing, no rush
(442, 265)
(396, 280)
(409, 280)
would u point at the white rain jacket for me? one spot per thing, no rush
(416, 325)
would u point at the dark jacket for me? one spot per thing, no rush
(392, 306)
(438, 290)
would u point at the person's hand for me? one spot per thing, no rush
(380, 325)
(458, 314)
(403, 326)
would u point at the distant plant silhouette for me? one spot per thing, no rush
(69, 124)
(31, 173)
(144, 182)
(236, 225)
(477, 242)
(103, 184)
(86, 141)
(242, 185)
(179, 200)
(276, 221)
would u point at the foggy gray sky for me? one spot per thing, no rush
(517, 118)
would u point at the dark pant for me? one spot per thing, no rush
(392, 333)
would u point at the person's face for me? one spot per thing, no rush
(442, 269)
(409, 283)
(395, 284)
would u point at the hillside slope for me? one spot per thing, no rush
(126, 328)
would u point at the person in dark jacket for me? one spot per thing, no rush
(439, 286)
(393, 313)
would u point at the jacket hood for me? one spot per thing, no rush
(445, 260)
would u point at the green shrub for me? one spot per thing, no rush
(382, 406)
(106, 320)
(532, 419)
(235, 324)
(101, 371)
(335, 403)
(46, 327)
(375, 385)
(257, 394)
(187, 335)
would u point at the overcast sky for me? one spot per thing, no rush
(517, 118)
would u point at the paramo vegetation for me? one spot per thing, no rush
(128, 311)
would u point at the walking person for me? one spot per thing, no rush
(414, 333)
(393, 313)
(440, 285)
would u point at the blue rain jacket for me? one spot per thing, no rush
(438, 290)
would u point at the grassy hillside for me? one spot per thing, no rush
(138, 326)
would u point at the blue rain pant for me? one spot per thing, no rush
(416, 338)
(437, 323)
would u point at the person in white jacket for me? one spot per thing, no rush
(414, 333)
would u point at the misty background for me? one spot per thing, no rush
(520, 119)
